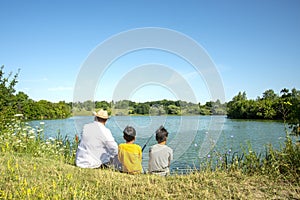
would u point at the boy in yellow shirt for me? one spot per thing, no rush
(130, 154)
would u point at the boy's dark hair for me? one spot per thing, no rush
(161, 134)
(129, 133)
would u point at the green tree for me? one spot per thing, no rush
(216, 108)
(266, 109)
(173, 110)
(142, 109)
(289, 107)
(88, 105)
(237, 107)
(102, 104)
(7, 98)
(157, 110)
(20, 102)
(64, 110)
(270, 95)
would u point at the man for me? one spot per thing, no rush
(97, 147)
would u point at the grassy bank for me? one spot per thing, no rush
(27, 177)
(33, 167)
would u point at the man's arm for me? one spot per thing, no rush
(112, 148)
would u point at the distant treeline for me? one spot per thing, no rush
(270, 106)
(285, 106)
(161, 107)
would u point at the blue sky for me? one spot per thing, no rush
(255, 45)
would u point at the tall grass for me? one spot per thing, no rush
(278, 163)
(35, 167)
(18, 137)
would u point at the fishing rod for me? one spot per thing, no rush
(145, 147)
(147, 142)
(150, 138)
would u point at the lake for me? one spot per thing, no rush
(193, 138)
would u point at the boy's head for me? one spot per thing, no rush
(161, 134)
(129, 133)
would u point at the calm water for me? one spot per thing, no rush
(193, 138)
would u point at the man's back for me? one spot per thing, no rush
(96, 147)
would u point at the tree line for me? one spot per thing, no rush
(159, 107)
(12, 103)
(269, 106)
(285, 105)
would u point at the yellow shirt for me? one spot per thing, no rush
(130, 155)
